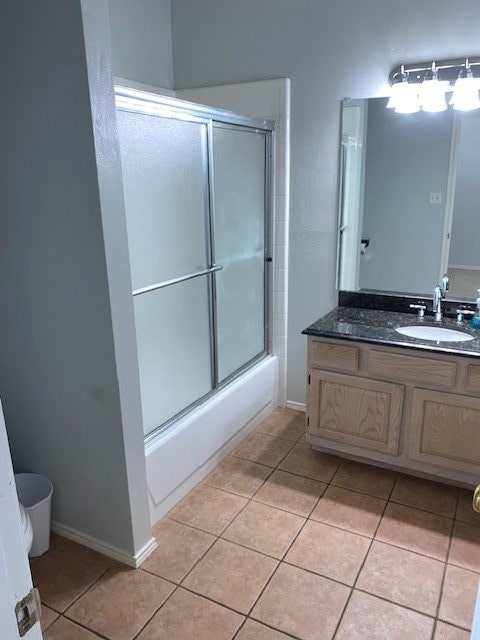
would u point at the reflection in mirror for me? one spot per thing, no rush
(410, 200)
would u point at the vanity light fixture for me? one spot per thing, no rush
(424, 85)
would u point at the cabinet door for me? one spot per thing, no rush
(445, 430)
(356, 411)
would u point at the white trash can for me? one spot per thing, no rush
(35, 493)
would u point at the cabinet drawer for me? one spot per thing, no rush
(356, 411)
(332, 356)
(394, 366)
(445, 430)
(473, 379)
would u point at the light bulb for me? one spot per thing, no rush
(403, 97)
(465, 93)
(432, 94)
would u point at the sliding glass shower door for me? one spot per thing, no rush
(195, 197)
(239, 222)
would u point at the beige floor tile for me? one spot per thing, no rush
(465, 512)
(415, 530)
(286, 424)
(262, 448)
(402, 577)
(207, 508)
(121, 602)
(357, 512)
(458, 598)
(48, 616)
(265, 529)
(238, 476)
(424, 494)
(365, 478)
(447, 632)
(303, 604)
(252, 630)
(179, 548)
(231, 575)
(63, 629)
(290, 492)
(66, 571)
(465, 546)
(331, 552)
(303, 461)
(372, 618)
(186, 616)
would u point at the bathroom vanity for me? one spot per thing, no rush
(396, 401)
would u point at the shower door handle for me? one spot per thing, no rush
(167, 283)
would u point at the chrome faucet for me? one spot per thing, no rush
(437, 303)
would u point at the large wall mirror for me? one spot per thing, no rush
(410, 200)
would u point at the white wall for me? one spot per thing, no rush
(61, 237)
(329, 51)
(142, 41)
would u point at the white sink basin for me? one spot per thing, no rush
(438, 334)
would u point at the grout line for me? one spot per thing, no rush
(440, 596)
(411, 506)
(154, 613)
(397, 604)
(83, 592)
(217, 602)
(364, 561)
(83, 626)
(269, 626)
(242, 495)
(417, 553)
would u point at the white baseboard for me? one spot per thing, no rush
(298, 406)
(105, 549)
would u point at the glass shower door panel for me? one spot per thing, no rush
(173, 338)
(164, 185)
(239, 232)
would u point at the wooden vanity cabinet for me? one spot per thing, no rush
(445, 430)
(358, 411)
(401, 408)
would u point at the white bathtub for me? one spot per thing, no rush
(178, 460)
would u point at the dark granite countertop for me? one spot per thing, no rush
(378, 327)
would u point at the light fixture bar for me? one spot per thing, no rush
(447, 69)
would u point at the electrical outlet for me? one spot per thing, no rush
(435, 197)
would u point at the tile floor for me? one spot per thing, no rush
(281, 542)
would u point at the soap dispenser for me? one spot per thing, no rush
(475, 321)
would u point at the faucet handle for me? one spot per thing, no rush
(421, 308)
(463, 312)
(445, 286)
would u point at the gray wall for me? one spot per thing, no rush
(142, 41)
(58, 373)
(407, 158)
(329, 50)
(465, 238)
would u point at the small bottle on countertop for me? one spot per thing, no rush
(475, 321)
